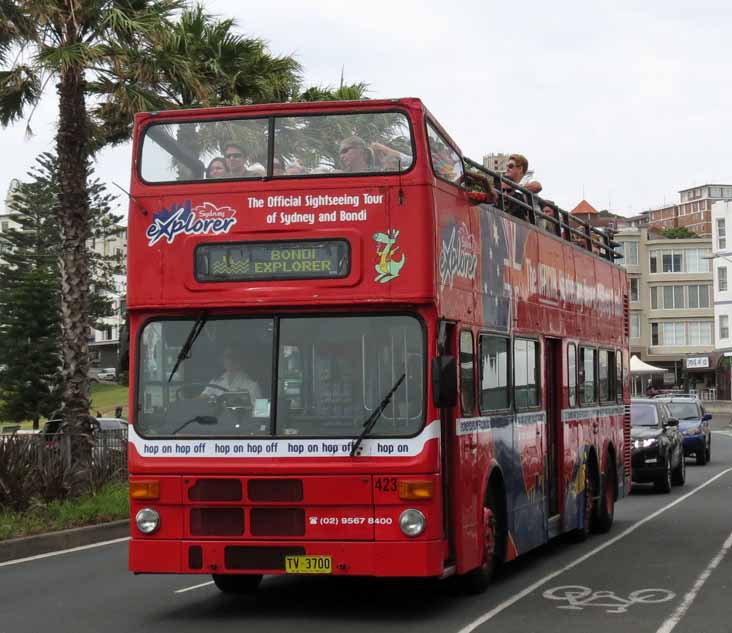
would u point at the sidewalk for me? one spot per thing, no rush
(718, 406)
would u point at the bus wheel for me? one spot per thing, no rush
(237, 583)
(494, 544)
(605, 509)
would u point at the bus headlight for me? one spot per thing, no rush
(147, 520)
(412, 522)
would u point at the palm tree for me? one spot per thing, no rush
(110, 59)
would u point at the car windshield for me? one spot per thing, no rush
(643, 415)
(313, 145)
(684, 410)
(326, 376)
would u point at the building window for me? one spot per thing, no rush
(654, 298)
(620, 250)
(672, 261)
(723, 326)
(467, 375)
(572, 374)
(698, 296)
(526, 383)
(673, 298)
(587, 375)
(721, 234)
(631, 253)
(673, 334)
(653, 262)
(722, 279)
(699, 332)
(634, 293)
(494, 393)
(635, 326)
(654, 334)
(697, 260)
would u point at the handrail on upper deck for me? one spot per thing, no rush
(560, 222)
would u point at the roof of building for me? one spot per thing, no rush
(584, 208)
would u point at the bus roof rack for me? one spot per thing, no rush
(522, 203)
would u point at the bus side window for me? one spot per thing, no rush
(603, 376)
(467, 373)
(572, 374)
(494, 392)
(587, 375)
(526, 374)
(619, 375)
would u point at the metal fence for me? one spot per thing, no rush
(108, 449)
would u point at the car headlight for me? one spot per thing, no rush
(412, 522)
(147, 520)
(651, 441)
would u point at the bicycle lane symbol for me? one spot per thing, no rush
(578, 598)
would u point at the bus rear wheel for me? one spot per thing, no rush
(237, 583)
(605, 509)
(494, 543)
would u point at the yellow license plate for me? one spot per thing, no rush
(308, 564)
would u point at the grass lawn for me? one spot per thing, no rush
(105, 398)
(110, 504)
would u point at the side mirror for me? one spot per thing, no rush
(672, 422)
(444, 381)
(706, 417)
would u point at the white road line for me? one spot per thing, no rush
(17, 561)
(681, 610)
(533, 587)
(203, 584)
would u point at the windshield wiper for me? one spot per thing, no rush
(201, 419)
(185, 351)
(374, 417)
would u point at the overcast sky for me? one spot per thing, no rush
(622, 103)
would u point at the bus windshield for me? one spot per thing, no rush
(330, 373)
(312, 145)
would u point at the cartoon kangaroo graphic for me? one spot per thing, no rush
(388, 268)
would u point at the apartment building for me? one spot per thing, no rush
(693, 211)
(671, 311)
(722, 264)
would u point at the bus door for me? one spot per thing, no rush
(553, 373)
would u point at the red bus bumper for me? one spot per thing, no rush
(386, 559)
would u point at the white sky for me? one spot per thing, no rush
(621, 102)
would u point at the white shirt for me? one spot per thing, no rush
(233, 381)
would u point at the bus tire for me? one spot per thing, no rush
(605, 508)
(237, 583)
(591, 484)
(495, 536)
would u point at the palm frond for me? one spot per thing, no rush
(19, 88)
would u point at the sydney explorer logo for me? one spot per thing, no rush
(459, 256)
(204, 219)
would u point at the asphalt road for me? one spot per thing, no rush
(665, 566)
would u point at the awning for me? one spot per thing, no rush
(637, 366)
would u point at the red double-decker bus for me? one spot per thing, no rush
(355, 352)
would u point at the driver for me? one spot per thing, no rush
(234, 378)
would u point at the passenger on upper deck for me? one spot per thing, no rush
(217, 168)
(516, 171)
(389, 159)
(234, 377)
(236, 160)
(355, 155)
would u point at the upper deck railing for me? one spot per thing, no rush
(520, 202)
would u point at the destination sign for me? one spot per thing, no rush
(247, 261)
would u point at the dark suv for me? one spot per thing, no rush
(693, 424)
(658, 452)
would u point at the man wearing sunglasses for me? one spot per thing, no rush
(516, 170)
(236, 161)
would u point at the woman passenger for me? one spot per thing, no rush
(217, 168)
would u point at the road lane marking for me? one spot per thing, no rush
(17, 561)
(203, 584)
(468, 628)
(681, 610)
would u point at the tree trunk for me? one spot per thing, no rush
(73, 209)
